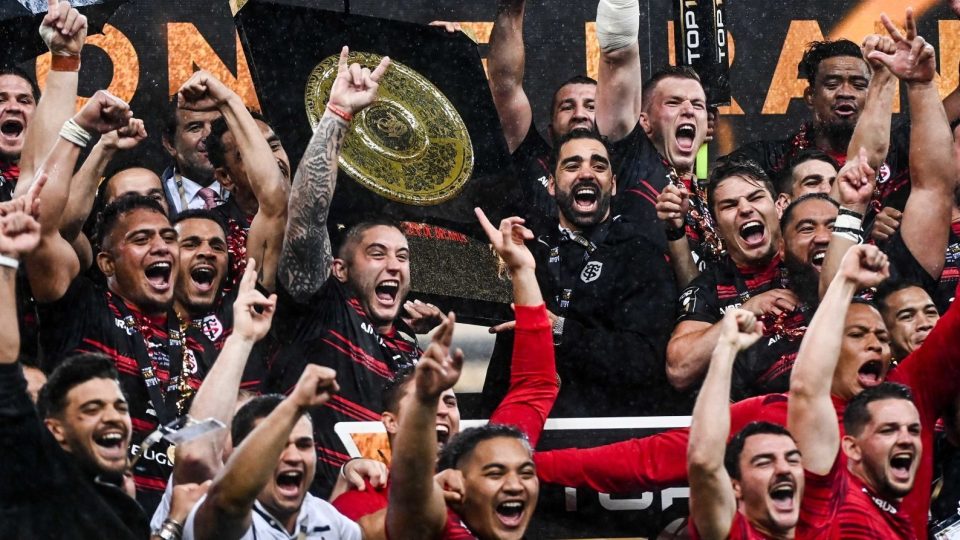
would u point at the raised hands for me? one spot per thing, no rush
(358, 471)
(673, 203)
(876, 42)
(865, 265)
(913, 59)
(252, 311)
(422, 317)
(103, 113)
(437, 370)
(316, 385)
(126, 137)
(509, 240)
(203, 92)
(355, 86)
(63, 29)
(740, 328)
(856, 182)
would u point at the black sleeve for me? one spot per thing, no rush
(297, 321)
(531, 165)
(698, 302)
(497, 380)
(904, 267)
(65, 322)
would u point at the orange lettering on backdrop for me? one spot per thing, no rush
(593, 49)
(126, 65)
(187, 51)
(949, 50)
(785, 85)
(479, 31)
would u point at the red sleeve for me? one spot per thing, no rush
(821, 496)
(533, 374)
(356, 504)
(654, 462)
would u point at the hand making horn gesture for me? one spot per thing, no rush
(355, 86)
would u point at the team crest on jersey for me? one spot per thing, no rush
(688, 300)
(211, 327)
(190, 362)
(591, 271)
(884, 173)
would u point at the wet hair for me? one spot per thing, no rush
(216, 152)
(745, 168)
(202, 213)
(121, 206)
(669, 72)
(396, 387)
(74, 371)
(246, 418)
(818, 51)
(353, 235)
(731, 458)
(462, 445)
(576, 135)
(792, 207)
(891, 286)
(17, 72)
(857, 414)
(784, 181)
(576, 79)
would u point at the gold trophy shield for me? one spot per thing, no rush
(410, 146)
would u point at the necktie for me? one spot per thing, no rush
(209, 197)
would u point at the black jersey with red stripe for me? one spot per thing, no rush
(333, 330)
(88, 319)
(950, 277)
(765, 367)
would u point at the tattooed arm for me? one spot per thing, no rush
(306, 256)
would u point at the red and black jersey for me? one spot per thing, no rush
(532, 167)
(893, 183)
(9, 174)
(904, 267)
(950, 277)
(843, 506)
(238, 227)
(763, 368)
(91, 320)
(740, 529)
(332, 330)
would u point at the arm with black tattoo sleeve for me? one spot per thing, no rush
(306, 256)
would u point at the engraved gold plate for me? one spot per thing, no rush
(410, 146)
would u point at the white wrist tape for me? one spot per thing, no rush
(618, 23)
(72, 132)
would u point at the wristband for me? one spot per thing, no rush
(848, 219)
(9, 262)
(844, 211)
(343, 467)
(73, 133)
(170, 530)
(65, 63)
(854, 235)
(558, 330)
(674, 234)
(347, 117)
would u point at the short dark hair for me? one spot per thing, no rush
(396, 387)
(170, 119)
(462, 445)
(668, 72)
(891, 286)
(356, 231)
(72, 372)
(731, 458)
(784, 180)
(123, 205)
(576, 79)
(18, 72)
(818, 51)
(792, 207)
(246, 418)
(202, 213)
(746, 168)
(576, 134)
(216, 152)
(857, 414)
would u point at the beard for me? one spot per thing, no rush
(804, 281)
(838, 133)
(566, 205)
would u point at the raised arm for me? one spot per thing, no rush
(203, 92)
(64, 31)
(873, 128)
(306, 256)
(673, 204)
(811, 417)
(19, 234)
(620, 73)
(416, 508)
(54, 264)
(505, 65)
(712, 501)
(227, 510)
(853, 189)
(933, 169)
(199, 459)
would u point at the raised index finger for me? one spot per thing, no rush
(342, 63)
(492, 232)
(53, 8)
(249, 275)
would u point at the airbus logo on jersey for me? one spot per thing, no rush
(591, 271)
(881, 504)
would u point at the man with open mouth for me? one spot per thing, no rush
(70, 470)
(750, 487)
(856, 480)
(609, 294)
(131, 319)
